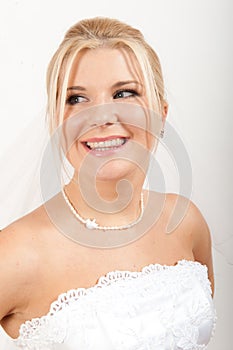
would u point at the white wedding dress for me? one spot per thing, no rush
(159, 308)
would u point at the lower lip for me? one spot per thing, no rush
(106, 153)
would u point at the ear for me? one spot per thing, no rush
(164, 111)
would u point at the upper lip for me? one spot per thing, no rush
(106, 138)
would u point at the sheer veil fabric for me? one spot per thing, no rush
(20, 172)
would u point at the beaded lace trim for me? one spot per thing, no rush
(64, 299)
(114, 276)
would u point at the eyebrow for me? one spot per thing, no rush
(76, 88)
(118, 84)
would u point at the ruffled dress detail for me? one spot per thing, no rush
(159, 308)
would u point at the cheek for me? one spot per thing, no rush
(71, 110)
(152, 143)
(143, 137)
(74, 156)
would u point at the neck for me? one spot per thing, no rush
(103, 203)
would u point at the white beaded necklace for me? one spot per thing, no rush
(92, 224)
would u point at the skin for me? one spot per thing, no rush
(38, 263)
(98, 88)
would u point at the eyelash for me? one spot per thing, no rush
(70, 99)
(133, 92)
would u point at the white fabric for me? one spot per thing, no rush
(160, 308)
(20, 172)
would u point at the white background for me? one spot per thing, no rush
(194, 42)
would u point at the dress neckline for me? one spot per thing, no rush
(103, 281)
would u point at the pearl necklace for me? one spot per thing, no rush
(92, 224)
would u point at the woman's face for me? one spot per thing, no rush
(108, 85)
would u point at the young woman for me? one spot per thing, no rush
(94, 267)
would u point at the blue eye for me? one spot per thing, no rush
(74, 99)
(125, 94)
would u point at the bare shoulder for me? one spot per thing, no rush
(19, 262)
(186, 214)
(192, 222)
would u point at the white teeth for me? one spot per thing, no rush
(106, 145)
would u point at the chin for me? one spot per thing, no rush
(116, 170)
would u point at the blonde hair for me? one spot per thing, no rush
(94, 33)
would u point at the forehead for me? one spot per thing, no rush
(105, 65)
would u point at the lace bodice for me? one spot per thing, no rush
(160, 308)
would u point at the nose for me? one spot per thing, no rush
(104, 115)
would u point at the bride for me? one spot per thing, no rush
(94, 266)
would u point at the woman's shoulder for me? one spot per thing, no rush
(27, 226)
(19, 265)
(181, 214)
(180, 203)
(188, 212)
(184, 217)
(21, 242)
(21, 237)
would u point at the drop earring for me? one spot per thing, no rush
(162, 133)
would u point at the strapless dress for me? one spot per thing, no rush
(159, 308)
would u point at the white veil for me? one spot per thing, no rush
(20, 170)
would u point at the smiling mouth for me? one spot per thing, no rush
(106, 144)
